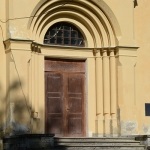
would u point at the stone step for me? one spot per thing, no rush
(98, 145)
(99, 148)
(121, 143)
(86, 140)
(95, 140)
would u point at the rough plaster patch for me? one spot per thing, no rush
(18, 31)
(128, 127)
(146, 129)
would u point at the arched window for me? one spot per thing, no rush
(64, 33)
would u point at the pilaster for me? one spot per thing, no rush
(99, 94)
(113, 93)
(18, 54)
(106, 87)
(126, 89)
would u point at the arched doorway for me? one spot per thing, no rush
(64, 84)
(90, 37)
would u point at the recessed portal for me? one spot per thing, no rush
(64, 95)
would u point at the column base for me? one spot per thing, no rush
(99, 126)
(114, 126)
(107, 124)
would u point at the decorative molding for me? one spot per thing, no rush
(17, 44)
(19, 40)
(30, 45)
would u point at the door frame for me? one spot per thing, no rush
(84, 92)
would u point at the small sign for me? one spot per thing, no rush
(147, 109)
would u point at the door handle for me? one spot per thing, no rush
(68, 109)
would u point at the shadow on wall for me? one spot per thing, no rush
(17, 123)
(16, 112)
(135, 3)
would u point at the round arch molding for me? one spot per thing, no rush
(93, 18)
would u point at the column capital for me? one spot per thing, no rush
(127, 55)
(17, 44)
(36, 47)
(112, 52)
(104, 52)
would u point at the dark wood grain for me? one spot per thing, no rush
(64, 92)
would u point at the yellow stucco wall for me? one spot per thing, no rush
(142, 34)
(117, 76)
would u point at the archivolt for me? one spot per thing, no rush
(86, 15)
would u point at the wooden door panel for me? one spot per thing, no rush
(75, 83)
(54, 125)
(75, 102)
(64, 82)
(65, 65)
(75, 126)
(55, 80)
(54, 103)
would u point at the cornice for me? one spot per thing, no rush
(30, 45)
(18, 40)
(17, 44)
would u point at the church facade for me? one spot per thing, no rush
(75, 68)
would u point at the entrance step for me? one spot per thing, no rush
(120, 143)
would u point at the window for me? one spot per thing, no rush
(64, 33)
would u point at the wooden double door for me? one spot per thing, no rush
(64, 92)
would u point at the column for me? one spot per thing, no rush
(91, 95)
(106, 87)
(113, 93)
(36, 85)
(126, 90)
(33, 83)
(30, 82)
(99, 96)
(41, 94)
(35, 120)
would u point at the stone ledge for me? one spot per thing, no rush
(28, 141)
(144, 140)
